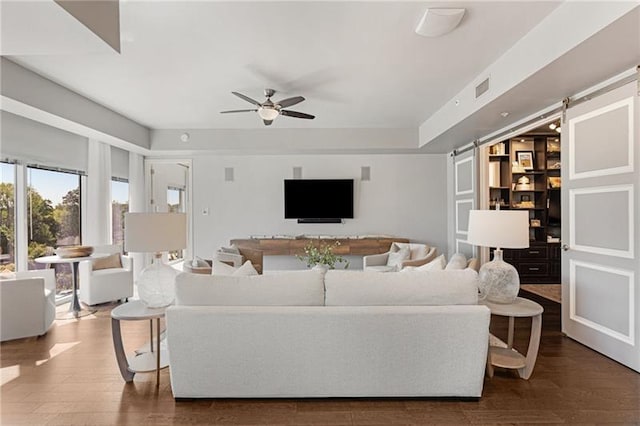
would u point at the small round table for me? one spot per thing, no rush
(140, 361)
(75, 309)
(508, 357)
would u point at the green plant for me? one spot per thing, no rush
(322, 254)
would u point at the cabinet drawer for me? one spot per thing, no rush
(533, 253)
(533, 268)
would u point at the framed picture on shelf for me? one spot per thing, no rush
(535, 223)
(525, 159)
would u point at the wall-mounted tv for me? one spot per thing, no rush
(318, 200)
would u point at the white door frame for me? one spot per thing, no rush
(150, 161)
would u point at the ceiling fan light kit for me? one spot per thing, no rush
(438, 22)
(268, 110)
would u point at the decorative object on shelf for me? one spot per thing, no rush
(322, 257)
(555, 182)
(523, 184)
(497, 149)
(67, 252)
(499, 281)
(525, 159)
(496, 202)
(156, 233)
(516, 167)
(535, 223)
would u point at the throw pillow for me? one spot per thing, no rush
(199, 262)
(245, 270)
(109, 262)
(437, 264)
(457, 261)
(221, 268)
(395, 259)
(230, 250)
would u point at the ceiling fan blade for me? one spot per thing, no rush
(297, 114)
(290, 101)
(238, 110)
(246, 98)
(267, 122)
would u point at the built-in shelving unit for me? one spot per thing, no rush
(524, 174)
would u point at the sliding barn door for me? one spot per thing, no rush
(464, 200)
(600, 272)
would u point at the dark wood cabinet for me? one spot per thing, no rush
(524, 174)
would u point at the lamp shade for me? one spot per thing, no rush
(155, 232)
(499, 228)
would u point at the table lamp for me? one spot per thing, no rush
(155, 233)
(499, 281)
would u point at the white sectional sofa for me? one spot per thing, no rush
(343, 334)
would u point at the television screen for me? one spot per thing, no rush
(318, 198)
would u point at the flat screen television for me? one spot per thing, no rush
(318, 200)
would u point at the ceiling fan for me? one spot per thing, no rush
(269, 110)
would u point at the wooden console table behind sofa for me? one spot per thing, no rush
(292, 247)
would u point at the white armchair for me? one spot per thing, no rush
(27, 304)
(106, 285)
(419, 254)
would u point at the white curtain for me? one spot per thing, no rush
(98, 217)
(137, 202)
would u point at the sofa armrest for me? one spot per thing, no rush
(127, 262)
(375, 260)
(419, 262)
(85, 268)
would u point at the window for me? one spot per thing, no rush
(7, 217)
(53, 218)
(175, 204)
(119, 206)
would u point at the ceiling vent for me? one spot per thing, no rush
(482, 88)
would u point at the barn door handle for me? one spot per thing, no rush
(565, 247)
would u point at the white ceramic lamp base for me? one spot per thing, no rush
(156, 284)
(499, 281)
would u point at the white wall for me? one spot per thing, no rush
(26, 92)
(406, 197)
(28, 140)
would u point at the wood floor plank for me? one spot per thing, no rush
(70, 377)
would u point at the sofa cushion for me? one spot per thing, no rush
(221, 268)
(457, 261)
(287, 288)
(245, 270)
(436, 264)
(364, 288)
(111, 261)
(396, 258)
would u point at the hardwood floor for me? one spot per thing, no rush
(70, 377)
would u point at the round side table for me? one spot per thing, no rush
(138, 362)
(75, 309)
(508, 357)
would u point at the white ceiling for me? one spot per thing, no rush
(359, 64)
